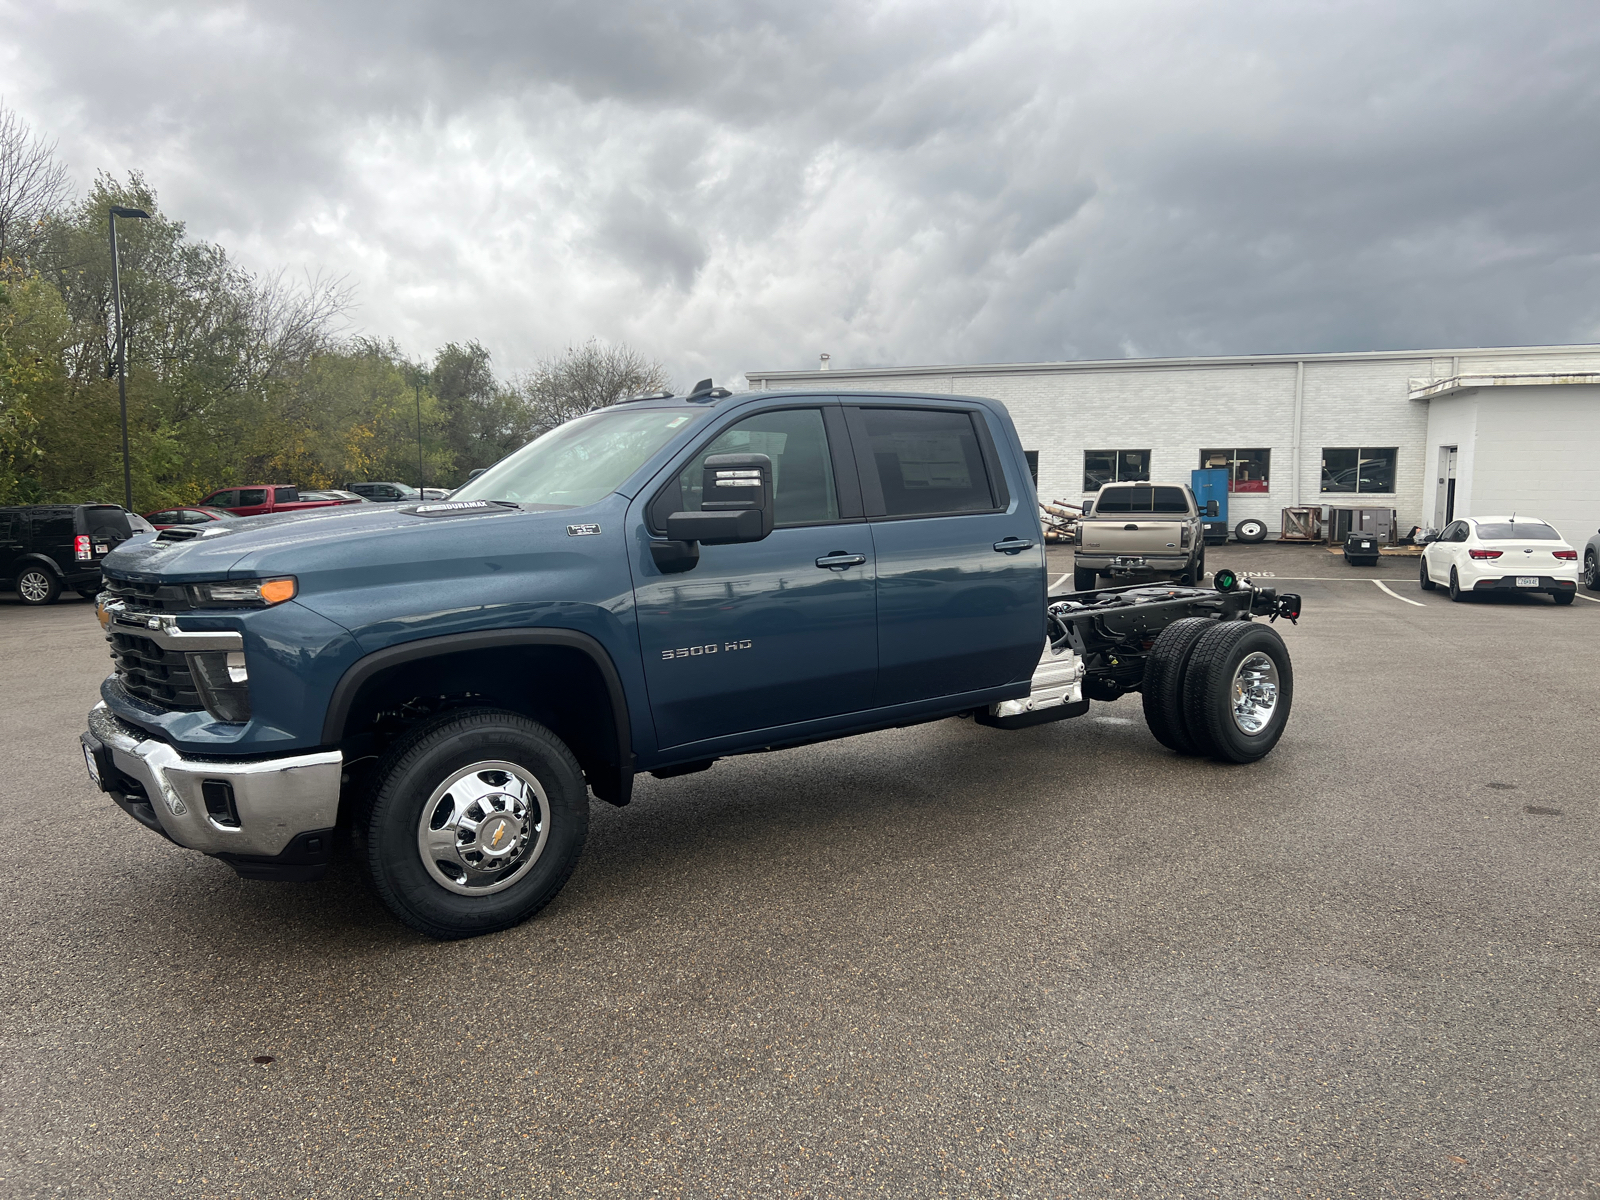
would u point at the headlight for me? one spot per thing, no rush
(243, 593)
(223, 682)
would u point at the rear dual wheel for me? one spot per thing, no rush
(1218, 688)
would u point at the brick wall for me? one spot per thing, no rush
(1175, 411)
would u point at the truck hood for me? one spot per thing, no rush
(291, 543)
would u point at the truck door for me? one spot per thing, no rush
(961, 573)
(769, 633)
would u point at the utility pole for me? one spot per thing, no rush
(118, 210)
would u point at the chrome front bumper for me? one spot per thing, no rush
(269, 801)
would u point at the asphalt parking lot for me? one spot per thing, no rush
(941, 960)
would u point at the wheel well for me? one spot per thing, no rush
(560, 686)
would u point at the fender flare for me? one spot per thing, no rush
(363, 669)
(43, 560)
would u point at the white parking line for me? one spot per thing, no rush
(1059, 582)
(1590, 599)
(1382, 586)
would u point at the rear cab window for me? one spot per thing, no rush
(1142, 499)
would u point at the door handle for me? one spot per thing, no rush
(1012, 545)
(839, 560)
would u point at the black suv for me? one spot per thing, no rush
(47, 547)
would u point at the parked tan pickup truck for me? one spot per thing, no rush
(1139, 531)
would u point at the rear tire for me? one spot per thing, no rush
(1563, 597)
(1456, 593)
(430, 770)
(1427, 582)
(1164, 672)
(1238, 691)
(1250, 530)
(1084, 581)
(37, 586)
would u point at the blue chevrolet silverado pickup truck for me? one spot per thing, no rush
(650, 587)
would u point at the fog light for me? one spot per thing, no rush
(221, 678)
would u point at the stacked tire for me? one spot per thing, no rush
(1219, 689)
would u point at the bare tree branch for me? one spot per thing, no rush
(587, 377)
(33, 185)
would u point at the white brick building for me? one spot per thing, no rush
(1371, 429)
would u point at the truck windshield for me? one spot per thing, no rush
(579, 462)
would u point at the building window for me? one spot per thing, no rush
(1362, 469)
(1114, 466)
(1247, 469)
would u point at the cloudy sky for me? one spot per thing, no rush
(730, 186)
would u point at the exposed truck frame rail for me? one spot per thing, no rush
(1105, 644)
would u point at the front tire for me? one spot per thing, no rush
(1084, 581)
(1427, 582)
(1456, 593)
(1250, 530)
(37, 586)
(1591, 572)
(1238, 691)
(474, 823)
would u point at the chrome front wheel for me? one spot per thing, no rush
(472, 822)
(483, 828)
(1254, 693)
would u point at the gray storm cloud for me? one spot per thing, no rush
(729, 186)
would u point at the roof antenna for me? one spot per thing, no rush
(705, 391)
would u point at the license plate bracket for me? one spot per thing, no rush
(1527, 581)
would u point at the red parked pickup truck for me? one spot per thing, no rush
(260, 498)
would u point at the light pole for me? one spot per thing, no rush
(416, 380)
(118, 210)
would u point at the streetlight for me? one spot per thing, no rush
(118, 210)
(417, 376)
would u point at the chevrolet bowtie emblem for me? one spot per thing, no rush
(498, 834)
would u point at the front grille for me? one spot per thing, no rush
(156, 676)
(149, 597)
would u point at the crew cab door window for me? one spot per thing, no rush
(796, 440)
(227, 499)
(925, 462)
(771, 633)
(961, 578)
(286, 495)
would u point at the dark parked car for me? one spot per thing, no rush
(1591, 563)
(385, 493)
(45, 548)
(193, 514)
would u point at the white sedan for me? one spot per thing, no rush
(1501, 554)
